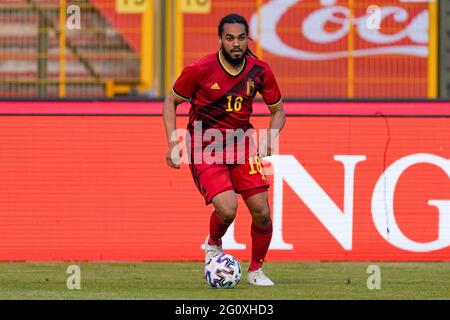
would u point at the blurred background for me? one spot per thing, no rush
(327, 49)
(84, 175)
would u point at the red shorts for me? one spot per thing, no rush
(212, 179)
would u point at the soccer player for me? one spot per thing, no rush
(221, 87)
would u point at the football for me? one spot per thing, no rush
(223, 271)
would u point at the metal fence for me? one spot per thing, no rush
(317, 48)
(50, 48)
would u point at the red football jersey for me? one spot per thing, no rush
(222, 100)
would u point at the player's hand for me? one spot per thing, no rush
(173, 156)
(264, 150)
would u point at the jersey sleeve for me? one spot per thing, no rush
(270, 90)
(187, 83)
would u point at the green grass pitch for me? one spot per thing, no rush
(183, 281)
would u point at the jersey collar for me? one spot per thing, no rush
(219, 58)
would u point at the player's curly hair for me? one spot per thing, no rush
(235, 18)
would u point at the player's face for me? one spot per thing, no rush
(234, 42)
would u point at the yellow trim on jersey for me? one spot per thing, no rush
(178, 95)
(228, 71)
(274, 104)
(275, 107)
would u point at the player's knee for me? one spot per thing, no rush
(228, 212)
(261, 215)
(228, 216)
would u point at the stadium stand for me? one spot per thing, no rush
(30, 54)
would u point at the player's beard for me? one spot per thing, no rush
(234, 62)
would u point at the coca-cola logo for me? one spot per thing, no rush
(312, 28)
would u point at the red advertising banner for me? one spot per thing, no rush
(317, 50)
(344, 188)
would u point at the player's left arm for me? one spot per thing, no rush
(272, 97)
(277, 121)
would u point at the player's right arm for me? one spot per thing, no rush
(169, 112)
(183, 89)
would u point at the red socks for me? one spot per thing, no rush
(261, 237)
(217, 229)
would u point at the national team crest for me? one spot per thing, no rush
(250, 87)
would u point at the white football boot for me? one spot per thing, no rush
(211, 251)
(258, 278)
